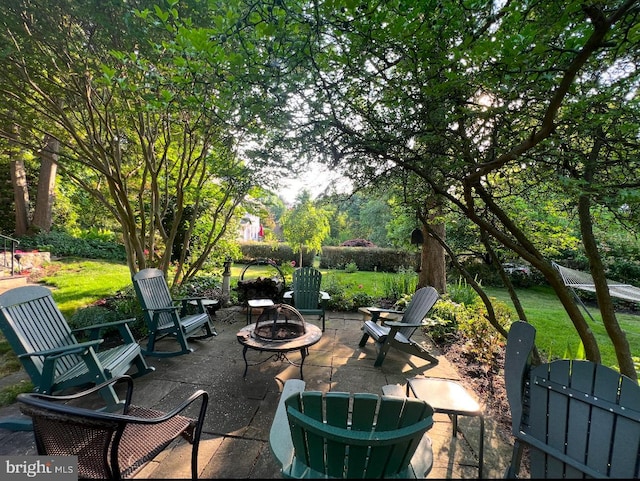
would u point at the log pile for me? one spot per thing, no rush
(260, 288)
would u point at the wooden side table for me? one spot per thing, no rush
(257, 304)
(449, 397)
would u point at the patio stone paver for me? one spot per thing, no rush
(235, 438)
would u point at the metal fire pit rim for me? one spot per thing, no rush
(268, 329)
(300, 332)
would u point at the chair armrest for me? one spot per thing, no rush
(422, 460)
(188, 299)
(161, 309)
(380, 310)
(280, 436)
(200, 394)
(288, 295)
(51, 357)
(403, 324)
(122, 325)
(378, 314)
(104, 325)
(64, 350)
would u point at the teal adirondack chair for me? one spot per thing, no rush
(397, 334)
(51, 354)
(350, 435)
(168, 317)
(578, 419)
(306, 295)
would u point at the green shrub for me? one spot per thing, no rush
(462, 292)
(367, 258)
(351, 267)
(442, 321)
(340, 300)
(395, 286)
(280, 252)
(124, 305)
(362, 299)
(482, 342)
(63, 244)
(345, 295)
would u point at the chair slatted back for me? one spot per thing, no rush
(153, 293)
(361, 435)
(306, 288)
(420, 305)
(578, 418)
(590, 412)
(31, 321)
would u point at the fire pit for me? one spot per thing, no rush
(279, 329)
(279, 323)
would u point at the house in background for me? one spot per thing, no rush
(250, 228)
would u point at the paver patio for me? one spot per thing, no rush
(235, 437)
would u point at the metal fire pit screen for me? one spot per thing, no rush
(280, 329)
(281, 322)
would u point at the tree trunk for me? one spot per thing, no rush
(20, 196)
(605, 304)
(433, 267)
(42, 216)
(19, 182)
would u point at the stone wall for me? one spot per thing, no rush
(24, 261)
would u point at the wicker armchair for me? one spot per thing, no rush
(110, 445)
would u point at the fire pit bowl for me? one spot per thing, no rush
(279, 323)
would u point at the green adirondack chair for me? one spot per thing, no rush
(578, 419)
(168, 317)
(51, 354)
(397, 333)
(306, 295)
(350, 435)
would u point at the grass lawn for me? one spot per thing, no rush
(556, 335)
(79, 282)
(372, 283)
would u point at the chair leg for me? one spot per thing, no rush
(363, 340)
(183, 342)
(184, 347)
(111, 398)
(384, 348)
(421, 352)
(516, 458)
(209, 331)
(142, 367)
(151, 343)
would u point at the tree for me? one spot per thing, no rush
(305, 226)
(138, 128)
(468, 99)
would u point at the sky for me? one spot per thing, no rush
(315, 179)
